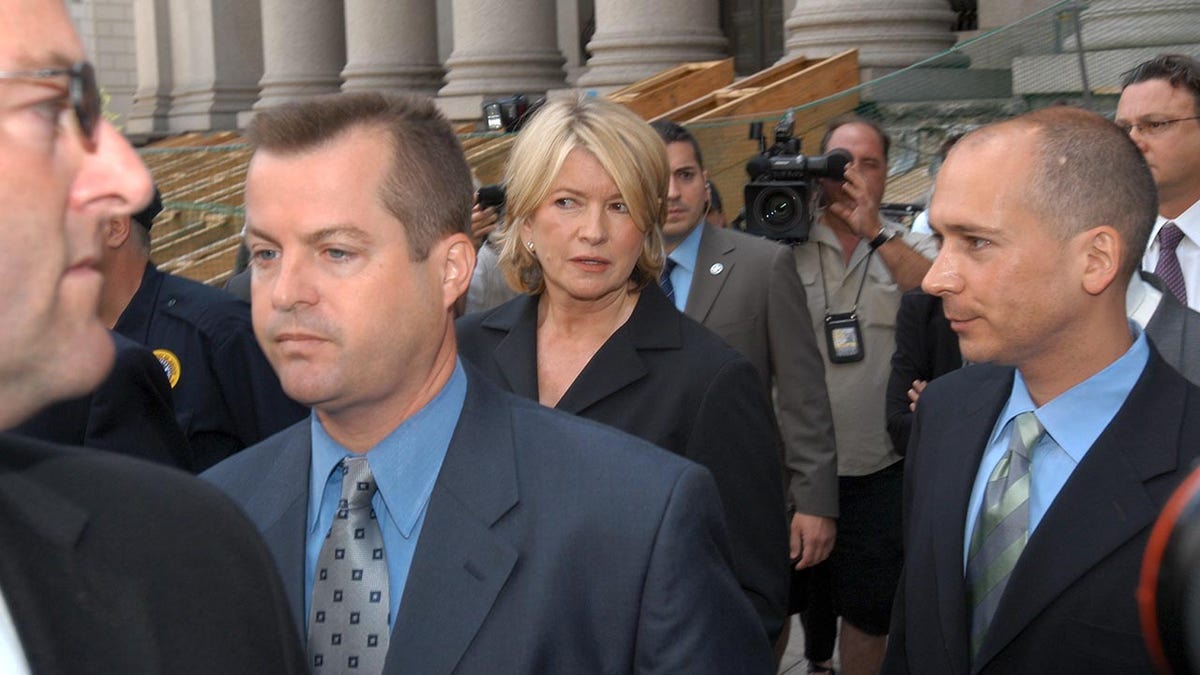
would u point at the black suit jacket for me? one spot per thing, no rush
(109, 565)
(131, 412)
(550, 545)
(664, 378)
(1069, 606)
(1175, 331)
(926, 347)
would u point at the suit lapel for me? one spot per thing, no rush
(1103, 504)
(280, 512)
(961, 444)
(1166, 325)
(654, 324)
(516, 354)
(706, 286)
(460, 563)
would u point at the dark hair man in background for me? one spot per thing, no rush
(1160, 109)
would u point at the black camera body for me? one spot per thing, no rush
(781, 197)
(490, 195)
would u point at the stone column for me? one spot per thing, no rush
(889, 34)
(216, 61)
(391, 45)
(304, 50)
(501, 47)
(152, 100)
(635, 39)
(107, 30)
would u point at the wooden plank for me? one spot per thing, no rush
(674, 87)
(746, 86)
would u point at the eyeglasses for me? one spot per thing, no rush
(1153, 127)
(85, 95)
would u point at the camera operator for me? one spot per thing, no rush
(855, 266)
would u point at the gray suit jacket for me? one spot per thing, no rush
(746, 290)
(551, 545)
(1175, 331)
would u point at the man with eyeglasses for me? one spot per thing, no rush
(107, 565)
(1160, 109)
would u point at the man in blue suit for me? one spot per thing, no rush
(482, 533)
(1033, 478)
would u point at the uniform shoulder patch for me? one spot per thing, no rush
(170, 365)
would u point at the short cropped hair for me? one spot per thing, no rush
(852, 118)
(428, 187)
(1180, 70)
(1087, 173)
(623, 143)
(671, 132)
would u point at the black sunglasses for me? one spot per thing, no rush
(85, 95)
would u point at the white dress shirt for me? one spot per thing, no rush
(12, 655)
(1188, 251)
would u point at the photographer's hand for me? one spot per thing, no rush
(860, 209)
(812, 539)
(483, 221)
(860, 212)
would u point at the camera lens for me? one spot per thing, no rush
(777, 207)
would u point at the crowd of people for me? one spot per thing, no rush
(592, 429)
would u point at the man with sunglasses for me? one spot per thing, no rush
(106, 564)
(1160, 109)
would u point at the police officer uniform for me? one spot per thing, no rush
(227, 397)
(131, 412)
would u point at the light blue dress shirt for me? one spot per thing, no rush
(405, 466)
(685, 256)
(1073, 421)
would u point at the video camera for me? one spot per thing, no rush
(782, 194)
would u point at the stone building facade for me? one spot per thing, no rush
(184, 65)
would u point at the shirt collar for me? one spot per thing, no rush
(1188, 221)
(1077, 417)
(1141, 300)
(688, 250)
(405, 463)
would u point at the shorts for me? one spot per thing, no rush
(865, 565)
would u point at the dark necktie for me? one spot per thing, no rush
(667, 286)
(1002, 527)
(348, 621)
(1168, 263)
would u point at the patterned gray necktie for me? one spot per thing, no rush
(1168, 268)
(1002, 527)
(348, 620)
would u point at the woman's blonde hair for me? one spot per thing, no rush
(629, 150)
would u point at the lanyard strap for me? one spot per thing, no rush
(825, 282)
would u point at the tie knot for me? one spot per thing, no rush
(669, 267)
(1027, 430)
(358, 485)
(1169, 237)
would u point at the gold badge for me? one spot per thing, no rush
(170, 365)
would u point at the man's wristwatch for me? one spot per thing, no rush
(882, 238)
